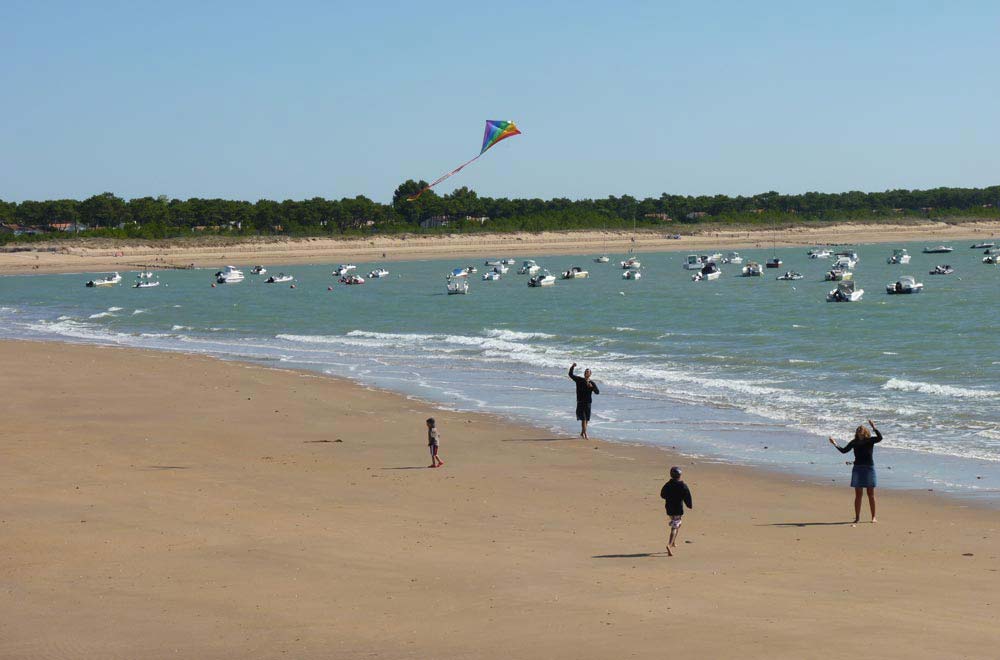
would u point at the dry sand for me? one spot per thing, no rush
(159, 505)
(86, 256)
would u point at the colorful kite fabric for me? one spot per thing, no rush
(496, 130)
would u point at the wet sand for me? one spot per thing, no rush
(160, 505)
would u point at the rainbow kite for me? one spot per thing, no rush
(496, 130)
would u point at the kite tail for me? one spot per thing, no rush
(441, 178)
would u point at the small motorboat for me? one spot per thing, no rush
(229, 275)
(258, 270)
(708, 272)
(789, 275)
(899, 256)
(991, 259)
(752, 269)
(110, 280)
(144, 274)
(344, 269)
(850, 254)
(991, 251)
(544, 278)
(943, 269)
(773, 263)
(529, 267)
(979, 246)
(732, 258)
(941, 249)
(500, 268)
(496, 262)
(631, 262)
(632, 274)
(905, 284)
(458, 287)
(694, 262)
(817, 253)
(278, 279)
(146, 284)
(352, 279)
(509, 262)
(715, 257)
(458, 272)
(575, 273)
(602, 260)
(845, 262)
(378, 273)
(471, 270)
(845, 292)
(838, 275)
(492, 276)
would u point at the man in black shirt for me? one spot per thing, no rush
(585, 388)
(676, 494)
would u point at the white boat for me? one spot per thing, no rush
(529, 267)
(496, 262)
(458, 272)
(471, 270)
(352, 279)
(991, 251)
(838, 275)
(258, 270)
(991, 259)
(774, 262)
(850, 254)
(458, 287)
(733, 258)
(631, 262)
(378, 273)
(905, 284)
(602, 260)
(789, 275)
(509, 262)
(146, 284)
(278, 279)
(817, 253)
(752, 269)
(501, 269)
(941, 249)
(943, 269)
(491, 276)
(144, 274)
(544, 278)
(845, 292)
(979, 246)
(694, 262)
(344, 269)
(844, 263)
(715, 257)
(575, 273)
(708, 272)
(110, 280)
(632, 275)
(229, 275)
(899, 256)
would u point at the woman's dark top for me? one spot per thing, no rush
(676, 494)
(584, 390)
(863, 449)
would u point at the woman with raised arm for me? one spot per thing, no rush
(863, 472)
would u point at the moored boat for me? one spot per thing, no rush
(602, 259)
(458, 287)
(774, 262)
(229, 275)
(110, 280)
(845, 292)
(278, 279)
(575, 273)
(352, 279)
(528, 267)
(942, 269)
(752, 269)
(899, 256)
(905, 284)
(258, 270)
(789, 275)
(940, 249)
(378, 273)
(708, 272)
(632, 274)
(146, 284)
(694, 262)
(732, 258)
(544, 278)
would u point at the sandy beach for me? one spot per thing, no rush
(162, 505)
(106, 255)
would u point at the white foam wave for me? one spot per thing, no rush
(140, 311)
(889, 353)
(177, 328)
(938, 390)
(624, 329)
(100, 315)
(514, 335)
(114, 309)
(797, 361)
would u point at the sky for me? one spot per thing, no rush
(294, 100)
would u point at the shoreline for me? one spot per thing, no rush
(250, 528)
(83, 256)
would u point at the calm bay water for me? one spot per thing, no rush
(747, 370)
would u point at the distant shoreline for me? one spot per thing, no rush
(86, 255)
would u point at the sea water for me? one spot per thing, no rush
(746, 370)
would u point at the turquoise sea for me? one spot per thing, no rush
(744, 370)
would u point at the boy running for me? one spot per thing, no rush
(676, 494)
(433, 440)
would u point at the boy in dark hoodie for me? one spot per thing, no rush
(676, 494)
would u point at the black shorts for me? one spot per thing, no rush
(583, 411)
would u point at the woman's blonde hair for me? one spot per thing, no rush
(862, 433)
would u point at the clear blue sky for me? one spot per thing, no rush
(295, 100)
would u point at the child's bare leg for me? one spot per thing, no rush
(670, 540)
(583, 429)
(857, 504)
(871, 502)
(673, 536)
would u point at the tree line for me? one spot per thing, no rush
(464, 211)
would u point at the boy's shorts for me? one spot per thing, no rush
(675, 522)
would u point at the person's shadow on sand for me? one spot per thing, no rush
(807, 524)
(636, 555)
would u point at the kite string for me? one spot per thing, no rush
(442, 178)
